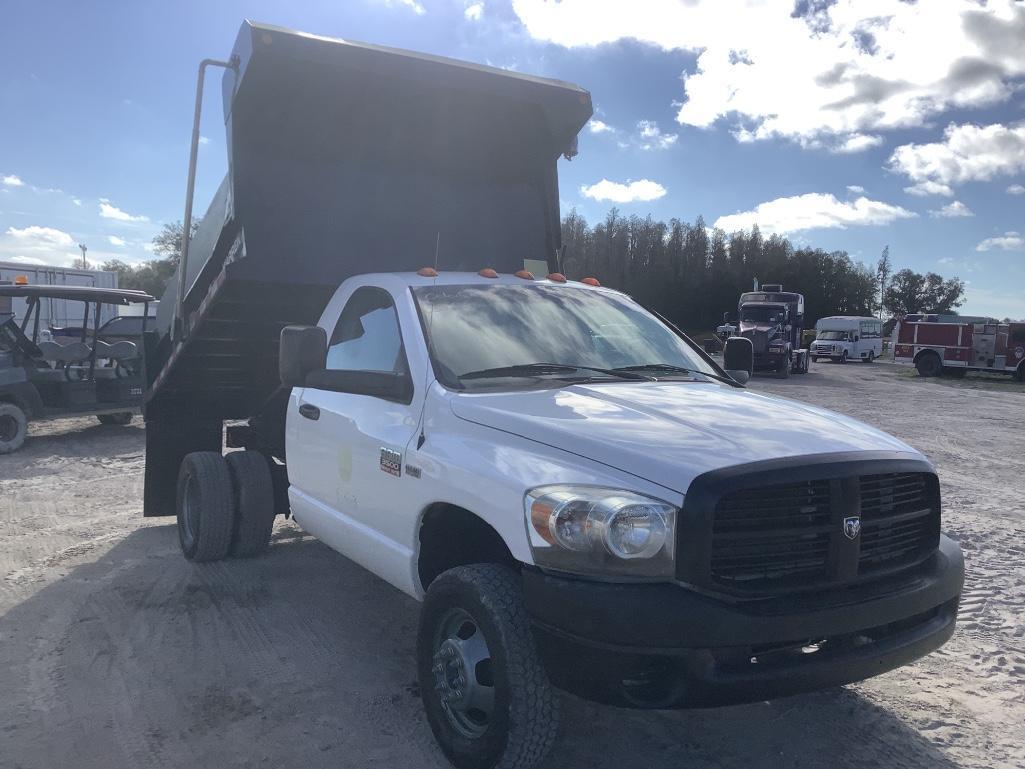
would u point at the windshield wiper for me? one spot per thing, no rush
(540, 369)
(671, 369)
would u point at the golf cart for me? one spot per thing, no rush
(50, 372)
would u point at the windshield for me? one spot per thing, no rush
(832, 336)
(761, 313)
(477, 329)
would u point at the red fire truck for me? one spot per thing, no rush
(948, 344)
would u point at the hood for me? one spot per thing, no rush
(670, 432)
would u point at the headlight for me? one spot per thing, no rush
(599, 531)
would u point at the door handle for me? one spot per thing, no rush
(309, 411)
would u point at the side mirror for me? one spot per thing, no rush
(739, 358)
(301, 349)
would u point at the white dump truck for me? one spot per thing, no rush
(579, 496)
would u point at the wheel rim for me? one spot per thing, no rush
(190, 514)
(463, 677)
(8, 427)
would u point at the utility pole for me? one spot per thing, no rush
(85, 264)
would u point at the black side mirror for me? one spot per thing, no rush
(739, 358)
(302, 349)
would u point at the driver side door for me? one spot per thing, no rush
(347, 460)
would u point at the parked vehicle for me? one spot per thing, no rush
(846, 337)
(580, 497)
(773, 320)
(950, 345)
(57, 312)
(48, 376)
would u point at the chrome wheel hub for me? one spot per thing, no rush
(462, 674)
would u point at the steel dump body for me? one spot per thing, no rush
(347, 158)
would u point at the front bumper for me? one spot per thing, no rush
(665, 646)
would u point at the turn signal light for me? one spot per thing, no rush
(427, 272)
(590, 282)
(21, 280)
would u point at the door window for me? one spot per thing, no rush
(367, 337)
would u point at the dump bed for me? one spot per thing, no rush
(348, 158)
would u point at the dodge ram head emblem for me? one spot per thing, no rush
(852, 526)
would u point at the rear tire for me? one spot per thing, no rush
(871, 357)
(206, 506)
(253, 491)
(1019, 374)
(121, 418)
(843, 357)
(475, 647)
(929, 364)
(13, 427)
(783, 372)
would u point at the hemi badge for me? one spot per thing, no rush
(412, 471)
(391, 462)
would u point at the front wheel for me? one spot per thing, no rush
(13, 427)
(484, 687)
(206, 506)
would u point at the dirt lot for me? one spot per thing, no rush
(115, 652)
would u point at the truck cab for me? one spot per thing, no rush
(773, 320)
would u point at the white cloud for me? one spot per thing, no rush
(856, 143)
(1016, 189)
(204, 139)
(11, 180)
(923, 189)
(41, 237)
(1009, 241)
(633, 191)
(413, 5)
(76, 201)
(25, 259)
(650, 136)
(811, 69)
(953, 210)
(108, 211)
(596, 126)
(114, 240)
(857, 189)
(474, 11)
(813, 210)
(967, 153)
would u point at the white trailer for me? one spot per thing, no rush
(58, 313)
(848, 337)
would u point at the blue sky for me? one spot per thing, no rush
(850, 125)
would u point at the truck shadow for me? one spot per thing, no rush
(302, 658)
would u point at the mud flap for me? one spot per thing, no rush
(167, 443)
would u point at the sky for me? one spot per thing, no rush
(843, 124)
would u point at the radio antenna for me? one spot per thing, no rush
(430, 321)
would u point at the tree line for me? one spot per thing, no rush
(687, 272)
(692, 274)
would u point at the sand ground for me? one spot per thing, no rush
(115, 652)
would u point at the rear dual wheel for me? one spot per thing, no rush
(224, 505)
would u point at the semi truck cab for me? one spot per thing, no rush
(773, 320)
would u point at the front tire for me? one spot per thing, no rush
(13, 427)
(484, 687)
(206, 506)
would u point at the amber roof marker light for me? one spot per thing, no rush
(591, 282)
(525, 274)
(556, 277)
(427, 272)
(487, 272)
